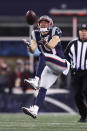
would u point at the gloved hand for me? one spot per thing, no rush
(44, 41)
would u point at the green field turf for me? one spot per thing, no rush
(44, 122)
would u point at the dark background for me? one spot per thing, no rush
(19, 7)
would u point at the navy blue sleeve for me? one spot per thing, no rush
(60, 51)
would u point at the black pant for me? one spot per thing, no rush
(79, 83)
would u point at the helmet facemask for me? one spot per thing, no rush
(45, 23)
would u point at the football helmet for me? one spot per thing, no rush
(46, 19)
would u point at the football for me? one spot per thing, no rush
(31, 17)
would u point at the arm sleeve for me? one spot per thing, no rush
(60, 51)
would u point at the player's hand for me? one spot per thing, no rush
(44, 41)
(26, 43)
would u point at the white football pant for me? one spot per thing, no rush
(54, 66)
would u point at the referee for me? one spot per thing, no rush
(76, 53)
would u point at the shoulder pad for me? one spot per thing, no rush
(56, 30)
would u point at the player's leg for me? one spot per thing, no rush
(34, 82)
(57, 64)
(40, 66)
(49, 76)
(33, 110)
(47, 80)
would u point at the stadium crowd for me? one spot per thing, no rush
(12, 78)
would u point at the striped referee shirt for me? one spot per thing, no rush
(76, 53)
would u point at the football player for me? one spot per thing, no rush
(47, 39)
(41, 36)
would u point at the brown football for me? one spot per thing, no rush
(31, 17)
